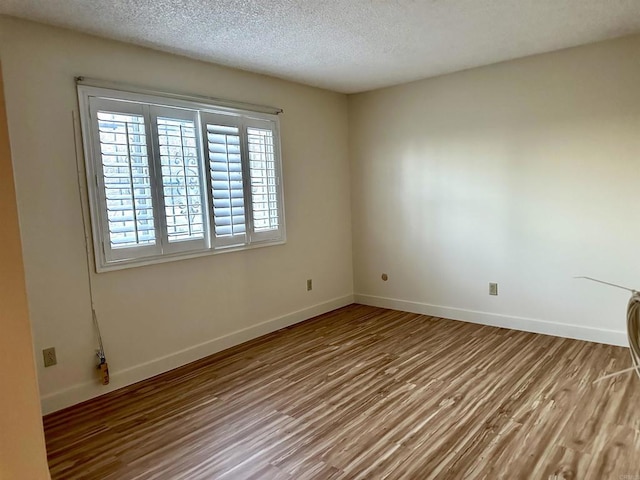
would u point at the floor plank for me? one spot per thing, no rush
(366, 393)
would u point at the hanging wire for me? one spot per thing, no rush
(607, 283)
(100, 352)
(633, 328)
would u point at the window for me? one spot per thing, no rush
(171, 177)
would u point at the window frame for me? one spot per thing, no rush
(134, 100)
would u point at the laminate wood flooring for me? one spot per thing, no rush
(364, 392)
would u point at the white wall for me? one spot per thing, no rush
(523, 173)
(157, 317)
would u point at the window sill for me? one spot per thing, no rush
(133, 263)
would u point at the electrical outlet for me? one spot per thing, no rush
(384, 277)
(49, 355)
(309, 285)
(493, 289)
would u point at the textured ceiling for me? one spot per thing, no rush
(347, 46)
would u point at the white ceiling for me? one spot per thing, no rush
(347, 46)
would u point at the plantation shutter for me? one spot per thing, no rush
(265, 177)
(171, 178)
(182, 199)
(124, 178)
(223, 147)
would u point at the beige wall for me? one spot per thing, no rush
(157, 317)
(523, 173)
(22, 451)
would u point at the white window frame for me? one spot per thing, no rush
(96, 96)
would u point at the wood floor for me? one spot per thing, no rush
(364, 392)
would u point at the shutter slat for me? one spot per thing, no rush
(262, 173)
(180, 179)
(223, 146)
(126, 181)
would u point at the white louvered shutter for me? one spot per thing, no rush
(264, 174)
(172, 178)
(223, 147)
(182, 200)
(124, 179)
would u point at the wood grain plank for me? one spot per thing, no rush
(366, 393)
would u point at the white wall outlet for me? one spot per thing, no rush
(309, 285)
(493, 289)
(49, 355)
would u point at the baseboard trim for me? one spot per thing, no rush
(119, 379)
(566, 330)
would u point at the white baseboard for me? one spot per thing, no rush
(85, 391)
(579, 332)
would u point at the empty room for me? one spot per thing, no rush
(319, 240)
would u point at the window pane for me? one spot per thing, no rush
(180, 179)
(127, 186)
(225, 165)
(262, 171)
